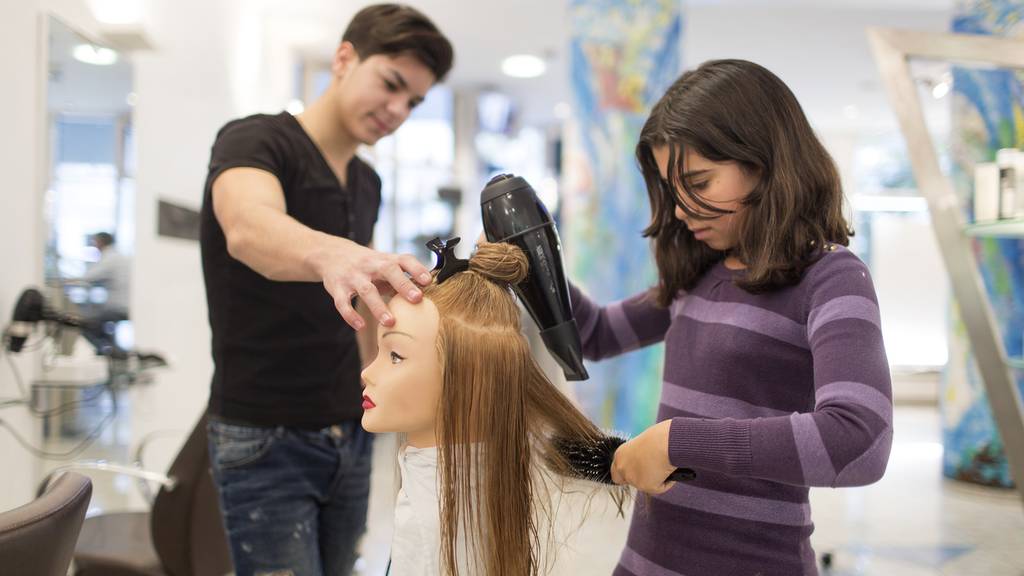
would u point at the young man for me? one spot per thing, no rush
(288, 212)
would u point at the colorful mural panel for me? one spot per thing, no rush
(625, 53)
(988, 114)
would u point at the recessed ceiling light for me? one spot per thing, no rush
(523, 66)
(116, 11)
(92, 54)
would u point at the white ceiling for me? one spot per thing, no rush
(818, 47)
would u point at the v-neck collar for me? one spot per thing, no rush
(349, 168)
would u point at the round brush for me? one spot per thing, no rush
(592, 460)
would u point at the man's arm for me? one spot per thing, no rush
(249, 204)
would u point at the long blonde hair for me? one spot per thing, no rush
(497, 416)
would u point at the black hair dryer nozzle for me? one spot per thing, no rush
(512, 213)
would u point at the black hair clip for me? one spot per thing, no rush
(447, 262)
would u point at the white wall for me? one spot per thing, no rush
(20, 217)
(796, 41)
(913, 289)
(184, 96)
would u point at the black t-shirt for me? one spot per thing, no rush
(282, 353)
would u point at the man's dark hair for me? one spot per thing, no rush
(394, 29)
(103, 239)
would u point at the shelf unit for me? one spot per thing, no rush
(893, 50)
(1011, 228)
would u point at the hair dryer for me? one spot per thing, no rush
(30, 310)
(512, 213)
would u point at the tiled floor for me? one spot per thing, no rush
(912, 523)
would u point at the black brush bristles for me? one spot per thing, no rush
(592, 460)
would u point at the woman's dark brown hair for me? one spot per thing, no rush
(735, 110)
(394, 29)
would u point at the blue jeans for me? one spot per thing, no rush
(294, 501)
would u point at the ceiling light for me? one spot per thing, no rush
(940, 90)
(116, 11)
(92, 54)
(523, 66)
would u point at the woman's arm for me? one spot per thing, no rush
(844, 441)
(619, 327)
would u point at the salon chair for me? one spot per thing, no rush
(39, 537)
(182, 535)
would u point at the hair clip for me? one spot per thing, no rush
(447, 262)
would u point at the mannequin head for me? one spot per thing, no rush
(403, 384)
(494, 411)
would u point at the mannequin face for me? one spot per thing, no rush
(403, 384)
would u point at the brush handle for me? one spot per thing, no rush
(682, 475)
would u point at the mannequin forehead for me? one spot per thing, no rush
(417, 320)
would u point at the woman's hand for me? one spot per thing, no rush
(643, 461)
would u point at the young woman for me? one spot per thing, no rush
(775, 374)
(455, 376)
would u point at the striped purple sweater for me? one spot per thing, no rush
(768, 394)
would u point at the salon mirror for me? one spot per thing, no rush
(89, 173)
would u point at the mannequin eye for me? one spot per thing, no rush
(396, 359)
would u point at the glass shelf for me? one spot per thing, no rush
(1016, 362)
(1011, 227)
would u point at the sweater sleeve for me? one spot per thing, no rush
(846, 439)
(619, 327)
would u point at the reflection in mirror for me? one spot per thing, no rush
(90, 185)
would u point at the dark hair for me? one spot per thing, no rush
(394, 29)
(103, 239)
(735, 110)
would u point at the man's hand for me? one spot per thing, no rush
(643, 461)
(350, 270)
(250, 207)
